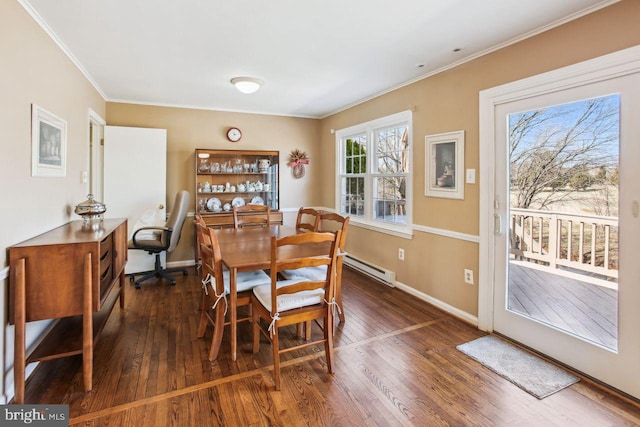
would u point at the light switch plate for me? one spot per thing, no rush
(471, 176)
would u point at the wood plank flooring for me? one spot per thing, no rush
(580, 308)
(395, 365)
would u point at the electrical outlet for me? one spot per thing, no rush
(401, 254)
(468, 276)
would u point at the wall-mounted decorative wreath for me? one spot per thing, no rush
(297, 160)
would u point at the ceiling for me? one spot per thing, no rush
(315, 57)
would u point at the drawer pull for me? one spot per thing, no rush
(106, 273)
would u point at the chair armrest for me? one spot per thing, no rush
(162, 229)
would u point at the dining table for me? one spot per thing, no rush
(247, 249)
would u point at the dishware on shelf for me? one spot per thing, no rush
(257, 201)
(235, 178)
(237, 202)
(263, 165)
(204, 162)
(212, 203)
(266, 187)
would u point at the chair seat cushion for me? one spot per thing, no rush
(311, 273)
(289, 301)
(246, 280)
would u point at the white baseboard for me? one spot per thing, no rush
(183, 263)
(463, 315)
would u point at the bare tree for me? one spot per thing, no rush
(551, 148)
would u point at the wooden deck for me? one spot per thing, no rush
(580, 308)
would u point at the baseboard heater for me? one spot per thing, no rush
(381, 274)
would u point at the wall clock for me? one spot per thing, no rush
(234, 134)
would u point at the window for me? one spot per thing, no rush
(374, 164)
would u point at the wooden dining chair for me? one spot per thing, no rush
(198, 219)
(308, 219)
(251, 216)
(215, 287)
(283, 303)
(330, 221)
(327, 221)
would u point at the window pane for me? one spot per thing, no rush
(356, 155)
(390, 201)
(353, 200)
(392, 150)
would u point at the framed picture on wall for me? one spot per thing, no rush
(48, 143)
(444, 163)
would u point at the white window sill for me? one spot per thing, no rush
(405, 231)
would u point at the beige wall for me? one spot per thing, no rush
(34, 70)
(449, 102)
(188, 129)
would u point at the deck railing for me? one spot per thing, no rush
(587, 243)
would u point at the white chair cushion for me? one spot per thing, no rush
(246, 280)
(289, 301)
(312, 273)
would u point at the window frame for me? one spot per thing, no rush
(369, 128)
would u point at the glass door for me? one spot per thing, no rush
(565, 204)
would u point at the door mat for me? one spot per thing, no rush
(522, 368)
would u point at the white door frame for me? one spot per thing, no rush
(96, 165)
(613, 65)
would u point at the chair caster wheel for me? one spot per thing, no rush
(131, 278)
(137, 285)
(173, 283)
(184, 273)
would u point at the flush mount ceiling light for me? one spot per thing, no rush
(246, 84)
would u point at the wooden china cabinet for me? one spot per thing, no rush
(225, 178)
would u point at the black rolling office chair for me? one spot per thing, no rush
(164, 239)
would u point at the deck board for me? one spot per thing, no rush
(578, 307)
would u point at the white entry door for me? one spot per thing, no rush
(135, 176)
(514, 240)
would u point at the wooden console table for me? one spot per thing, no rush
(70, 274)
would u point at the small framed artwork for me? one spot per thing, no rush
(444, 163)
(48, 143)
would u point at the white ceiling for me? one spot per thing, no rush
(315, 57)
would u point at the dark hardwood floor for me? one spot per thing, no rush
(396, 364)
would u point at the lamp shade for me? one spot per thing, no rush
(246, 84)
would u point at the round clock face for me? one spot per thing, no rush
(234, 134)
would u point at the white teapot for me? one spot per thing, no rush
(242, 187)
(263, 165)
(259, 186)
